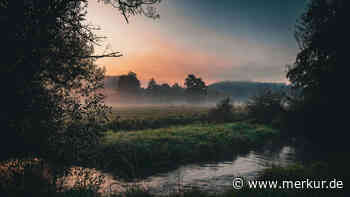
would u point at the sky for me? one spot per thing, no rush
(218, 40)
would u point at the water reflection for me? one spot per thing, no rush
(216, 177)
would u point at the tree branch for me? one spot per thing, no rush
(114, 54)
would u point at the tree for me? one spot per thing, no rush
(195, 88)
(152, 88)
(320, 67)
(322, 56)
(135, 7)
(48, 73)
(223, 112)
(266, 107)
(129, 85)
(177, 92)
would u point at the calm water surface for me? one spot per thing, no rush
(216, 177)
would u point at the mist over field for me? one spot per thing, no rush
(129, 93)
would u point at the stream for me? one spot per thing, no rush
(216, 176)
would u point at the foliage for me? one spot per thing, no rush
(319, 70)
(128, 84)
(48, 72)
(266, 107)
(163, 93)
(223, 112)
(320, 37)
(35, 177)
(195, 88)
(135, 7)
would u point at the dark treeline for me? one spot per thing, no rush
(127, 89)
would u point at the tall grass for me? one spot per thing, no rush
(153, 117)
(135, 154)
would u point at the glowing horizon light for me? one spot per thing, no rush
(227, 45)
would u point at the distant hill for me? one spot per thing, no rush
(242, 90)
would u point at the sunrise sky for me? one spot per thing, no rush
(218, 40)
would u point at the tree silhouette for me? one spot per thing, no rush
(129, 84)
(267, 106)
(48, 71)
(152, 89)
(195, 88)
(135, 7)
(320, 67)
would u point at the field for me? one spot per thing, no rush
(147, 140)
(155, 116)
(157, 111)
(140, 153)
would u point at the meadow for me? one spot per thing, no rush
(155, 116)
(140, 117)
(140, 153)
(146, 140)
(157, 111)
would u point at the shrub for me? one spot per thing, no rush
(223, 111)
(36, 177)
(267, 107)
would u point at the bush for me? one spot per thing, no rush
(223, 112)
(267, 107)
(36, 177)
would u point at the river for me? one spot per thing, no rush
(216, 176)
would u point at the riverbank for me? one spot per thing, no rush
(138, 154)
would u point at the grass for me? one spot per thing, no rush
(136, 154)
(153, 117)
(161, 116)
(150, 139)
(155, 112)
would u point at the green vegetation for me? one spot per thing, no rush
(153, 117)
(36, 177)
(318, 74)
(157, 111)
(160, 116)
(135, 154)
(223, 112)
(268, 107)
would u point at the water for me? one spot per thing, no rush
(216, 177)
(209, 177)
